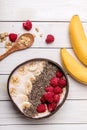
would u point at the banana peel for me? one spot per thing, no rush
(74, 68)
(78, 39)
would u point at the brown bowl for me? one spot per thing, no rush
(65, 95)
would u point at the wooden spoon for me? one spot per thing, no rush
(23, 42)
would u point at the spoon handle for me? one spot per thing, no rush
(13, 49)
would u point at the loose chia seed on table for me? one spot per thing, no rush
(38, 89)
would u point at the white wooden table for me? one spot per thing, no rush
(50, 16)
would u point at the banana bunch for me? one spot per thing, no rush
(79, 43)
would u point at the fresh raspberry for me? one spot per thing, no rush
(49, 39)
(58, 90)
(62, 82)
(56, 98)
(59, 74)
(12, 37)
(41, 108)
(49, 97)
(42, 99)
(51, 107)
(54, 81)
(49, 89)
(27, 25)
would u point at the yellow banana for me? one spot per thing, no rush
(78, 39)
(75, 69)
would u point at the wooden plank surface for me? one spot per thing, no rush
(58, 29)
(47, 10)
(72, 112)
(50, 17)
(10, 62)
(77, 91)
(42, 127)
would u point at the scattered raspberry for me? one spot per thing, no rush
(51, 107)
(49, 39)
(49, 89)
(59, 74)
(54, 81)
(12, 37)
(49, 97)
(41, 108)
(27, 25)
(56, 98)
(42, 99)
(62, 82)
(58, 90)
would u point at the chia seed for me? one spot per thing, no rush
(38, 89)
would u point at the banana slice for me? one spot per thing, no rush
(32, 66)
(32, 77)
(37, 72)
(41, 64)
(22, 70)
(12, 92)
(28, 85)
(14, 80)
(25, 105)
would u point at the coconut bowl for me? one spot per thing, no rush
(28, 83)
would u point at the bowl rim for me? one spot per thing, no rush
(65, 96)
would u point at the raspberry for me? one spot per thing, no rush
(49, 39)
(49, 97)
(12, 37)
(41, 108)
(49, 89)
(56, 98)
(42, 99)
(51, 107)
(54, 81)
(59, 74)
(62, 82)
(58, 90)
(27, 25)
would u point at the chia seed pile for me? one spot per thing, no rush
(38, 89)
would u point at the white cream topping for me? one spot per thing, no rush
(21, 82)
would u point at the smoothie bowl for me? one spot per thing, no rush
(38, 88)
